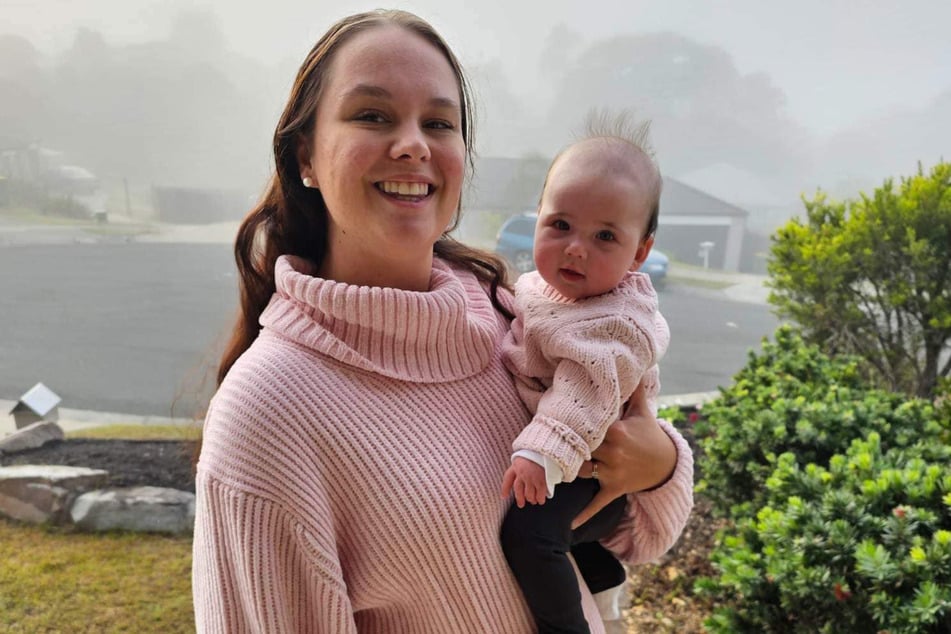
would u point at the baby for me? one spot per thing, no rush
(587, 331)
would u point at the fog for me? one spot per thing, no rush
(837, 95)
(169, 107)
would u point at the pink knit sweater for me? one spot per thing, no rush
(577, 362)
(349, 473)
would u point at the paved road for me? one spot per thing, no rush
(136, 328)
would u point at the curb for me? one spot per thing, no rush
(76, 419)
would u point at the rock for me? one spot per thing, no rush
(31, 437)
(42, 493)
(145, 509)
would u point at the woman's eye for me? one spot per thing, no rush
(560, 225)
(370, 117)
(605, 236)
(440, 124)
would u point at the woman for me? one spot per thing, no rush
(350, 464)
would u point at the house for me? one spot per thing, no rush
(770, 201)
(38, 404)
(690, 218)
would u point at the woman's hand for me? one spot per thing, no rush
(636, 454)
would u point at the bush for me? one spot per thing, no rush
(792, 398)
(861, 546)
(872, 277)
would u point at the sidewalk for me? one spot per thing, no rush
(75, 419)
(740, 287)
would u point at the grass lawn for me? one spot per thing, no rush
(24, 215)
(60, 580)
(698, 282)
(57, 579)
(139, 432)
(120, 229)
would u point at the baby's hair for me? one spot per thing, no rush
(601, 123)
(622, 128)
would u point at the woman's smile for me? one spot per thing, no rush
(405, 190)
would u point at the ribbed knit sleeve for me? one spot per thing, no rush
(257, 570)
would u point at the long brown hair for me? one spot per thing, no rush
(292, 219)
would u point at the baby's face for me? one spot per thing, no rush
(591, 226)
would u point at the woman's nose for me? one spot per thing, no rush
(410, 143)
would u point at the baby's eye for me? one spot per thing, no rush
(561, 225)
(605, 236)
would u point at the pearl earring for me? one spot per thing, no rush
(308, 182)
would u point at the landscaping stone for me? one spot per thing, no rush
(42, 493)
(31, 437)
(145, 509)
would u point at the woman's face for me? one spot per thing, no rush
(387, 151)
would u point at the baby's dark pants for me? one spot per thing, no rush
(536, 540)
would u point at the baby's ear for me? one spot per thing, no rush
(643, 250)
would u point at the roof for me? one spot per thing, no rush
(679, 199)
(74, 173)
(40, 399)
(735, 185)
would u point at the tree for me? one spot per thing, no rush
(872, 277)
(23, 87)
(704, 109)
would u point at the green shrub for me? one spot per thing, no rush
(861, 546)
(792, 398)
(870, 277)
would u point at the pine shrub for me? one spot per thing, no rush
(792, 398)
(863, 545)
(839, 496)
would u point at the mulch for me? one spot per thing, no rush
(160, 463)
(662, 594)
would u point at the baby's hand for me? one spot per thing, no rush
(527, 480)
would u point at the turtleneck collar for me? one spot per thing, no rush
(447, 333)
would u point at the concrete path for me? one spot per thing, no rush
(741, 287)
(77, 419)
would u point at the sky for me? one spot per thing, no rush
(839, 62)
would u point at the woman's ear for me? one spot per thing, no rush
(303, 163)
(642, 252)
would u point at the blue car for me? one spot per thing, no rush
(517, 234)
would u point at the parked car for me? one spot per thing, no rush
(517, 235)
(514, 241)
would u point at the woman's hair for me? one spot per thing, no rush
(292, 219)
